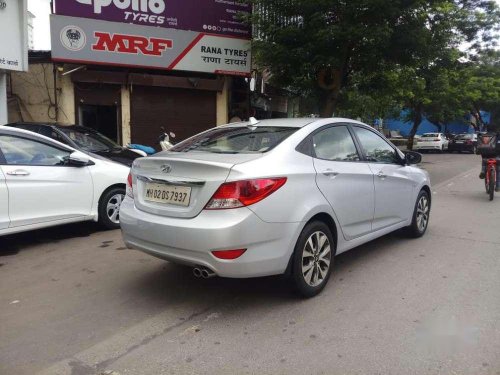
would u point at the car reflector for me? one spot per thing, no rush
(228, 254)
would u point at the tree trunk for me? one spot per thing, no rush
(417, 120)
(330, 81)
(329, 104)
(479, 119)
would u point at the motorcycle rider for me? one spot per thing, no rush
(484, 162)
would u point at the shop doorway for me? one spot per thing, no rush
(103, 118)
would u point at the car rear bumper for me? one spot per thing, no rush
(429, 146)
(191, 241)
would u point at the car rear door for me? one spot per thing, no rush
(393, 183)
(42, 188)
(344, 179)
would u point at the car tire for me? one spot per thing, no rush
(109, 207)
(421, 216)
(313, 259)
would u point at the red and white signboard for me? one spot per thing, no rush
(100, 42)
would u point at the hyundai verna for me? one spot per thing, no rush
(273, 197)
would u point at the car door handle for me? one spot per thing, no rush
(381, 175)
(330, 173)
(18, 172)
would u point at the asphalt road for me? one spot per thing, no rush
(74, 301)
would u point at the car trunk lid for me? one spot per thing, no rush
(194, 175)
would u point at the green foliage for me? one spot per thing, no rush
(368, 58)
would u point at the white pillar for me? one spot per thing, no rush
(4, 119)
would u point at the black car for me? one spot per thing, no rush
(83, 139)
(463, 143)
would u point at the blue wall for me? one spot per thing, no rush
(427, 127)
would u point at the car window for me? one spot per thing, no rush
(336, 144)
(51, 133)
(376, 149)
(236, 140)
(430, 135)
(22, 151)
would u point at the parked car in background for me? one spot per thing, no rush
(83, 139)
(278, 196)
(432, 142)
(463, 143)
(45, 183)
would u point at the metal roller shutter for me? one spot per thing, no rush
(182, 111)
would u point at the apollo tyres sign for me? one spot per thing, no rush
(89, 41)
(221, 17)
(13, 42)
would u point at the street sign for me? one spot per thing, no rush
(14, 33)
(88, 41)
(213, 16)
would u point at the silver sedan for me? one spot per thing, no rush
(273, 197)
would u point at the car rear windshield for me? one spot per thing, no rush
(430, 135)
(464, 136)
(236, 140)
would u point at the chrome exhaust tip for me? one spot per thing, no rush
(197, 272)
(207, 274)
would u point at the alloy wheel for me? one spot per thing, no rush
(316, 258)
(113, 208)
(423, 213)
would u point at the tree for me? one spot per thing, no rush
(483, 85)
(314, 48)
(435, 82)
(339, 52)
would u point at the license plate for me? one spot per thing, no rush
(168, 194)
(460, 142)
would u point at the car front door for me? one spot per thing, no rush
(41, 186)
(393, 183)
(345, 180)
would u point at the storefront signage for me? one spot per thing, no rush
(90, 41)
(13, 44)
(212, 16)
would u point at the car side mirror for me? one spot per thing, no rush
(412, 157)
(79, 159)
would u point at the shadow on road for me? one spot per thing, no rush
(13, 244)
(170, 284)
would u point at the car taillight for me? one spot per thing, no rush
(130, 189)
(243, 193)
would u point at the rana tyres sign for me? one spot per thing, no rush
(213, 16)
(91, 41)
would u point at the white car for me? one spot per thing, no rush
(432, 142)
(278, 196)
(45, 183)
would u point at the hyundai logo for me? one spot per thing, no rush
(166, 168)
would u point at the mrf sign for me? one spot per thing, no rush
(214, 16)
(88, 41)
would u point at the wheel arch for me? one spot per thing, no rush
(427, 189)
(115, 186)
